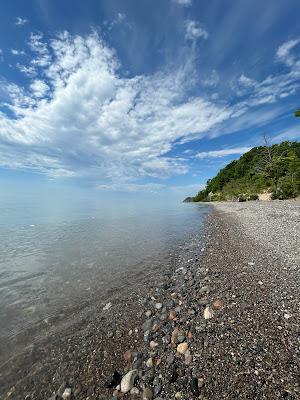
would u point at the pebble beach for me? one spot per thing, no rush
(222, 322)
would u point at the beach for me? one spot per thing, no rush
(221, 321)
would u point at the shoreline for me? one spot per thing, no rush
(246, 348)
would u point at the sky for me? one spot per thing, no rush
(131, 96)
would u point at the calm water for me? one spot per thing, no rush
(54, 256)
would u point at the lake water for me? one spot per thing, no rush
(56, 255)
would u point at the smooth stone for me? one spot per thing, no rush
(194, 387)
(134, 391)
(153, 344)
(148, 313)
(158, 306)
(188, 357)
(128, 356)
(180, 338)
(107, 306)
(170, 359)
(200, 382)
(208, 313)
(67, 394)
(138, 360)
(128, 381)
(182, 348)
(149, 362)
(172, 315)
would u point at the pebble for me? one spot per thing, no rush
(149, 362)
(158, 306)
(148, 313)
(172, 315)
(147, 394)
(182, 348)
(119, 334)
(128, 381)
(188, 357)
(107, 306)
(153, 344)
(134, 391)
(67, 394)
(217, 304)
(194, 387)
(128, 356)
(208, 313)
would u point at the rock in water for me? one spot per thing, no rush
(128, 381)
(208, 313)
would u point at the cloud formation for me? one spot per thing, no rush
(16, 52)
(222, 153)
(194, 31)
(81, 118)
(21, 21)
(185, 3)
(78, 116)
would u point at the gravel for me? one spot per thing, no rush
(224, 322)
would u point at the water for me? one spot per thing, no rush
(56, 256)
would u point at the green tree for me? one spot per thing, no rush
(297, 113)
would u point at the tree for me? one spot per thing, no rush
(297, 113)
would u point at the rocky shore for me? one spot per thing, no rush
(221, 323)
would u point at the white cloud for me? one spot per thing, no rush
(21, 21)
(292, 133)
(284, 52)
(185, 3)
(273, 87)
(211, 80)
(194, 31)
(131, 187)
(39, 88)
(84, 119)
(16, 52)
(78, 116)
(222, 153)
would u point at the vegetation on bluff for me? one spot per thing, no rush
(275, 169)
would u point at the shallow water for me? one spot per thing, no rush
(55, 257)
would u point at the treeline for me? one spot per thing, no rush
(275, 169)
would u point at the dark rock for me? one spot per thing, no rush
(115, 380)
(194, 387)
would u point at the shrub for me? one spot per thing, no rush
(253, 197)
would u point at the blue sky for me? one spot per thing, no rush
(140, 95)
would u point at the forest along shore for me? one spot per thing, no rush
(222, 323)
